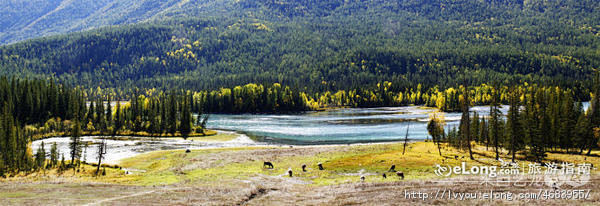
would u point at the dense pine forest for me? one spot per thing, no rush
(163, 76)
(539, 120)
(327, 46)
(34, 109)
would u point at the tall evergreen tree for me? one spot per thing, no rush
(163, 114)
(40, 157)
(109, 114)
(568, 120)
(494, 123)
(465, 123)
(119, 118)
(513, 122)
(186, 118)
(172, 114)
(475, 127)
(483, 133)
(594, 110)
(435, 128)
(100, 153)
(75, 144)
(54, 155)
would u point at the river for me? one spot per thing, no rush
(338, 126)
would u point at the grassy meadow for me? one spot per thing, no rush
(237, 175)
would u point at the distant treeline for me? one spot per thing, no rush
(257, 98)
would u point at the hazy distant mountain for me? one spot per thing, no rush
(23, 19)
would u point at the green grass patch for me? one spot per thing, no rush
(219, 137)
(342, 164)
(340, 167)
(15, 195)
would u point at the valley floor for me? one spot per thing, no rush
(235, 176)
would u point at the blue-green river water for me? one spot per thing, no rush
(339, 126)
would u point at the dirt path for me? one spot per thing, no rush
(118, 198)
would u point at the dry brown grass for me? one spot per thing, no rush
(234, 176)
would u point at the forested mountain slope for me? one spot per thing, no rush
(25, 19)
(310, 45)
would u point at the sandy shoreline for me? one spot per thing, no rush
(133, 146)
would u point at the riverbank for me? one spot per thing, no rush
(122, 134)
(120, 147)
(236, 176)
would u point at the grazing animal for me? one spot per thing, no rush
(303, 167)
(320, 166)
(188, 151)
(384, 176)
(400, 174)
(362, 178)
(290, 172)
(268, 164)
(554, 186)
(392, 169)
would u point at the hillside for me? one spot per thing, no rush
(35, 18)
(311, 45)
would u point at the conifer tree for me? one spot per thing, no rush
(475, 127)
(465, 123)
(109, 113)
(435, 128)
(494, 123)
(91, 113)
(100, 153)
(186, 119)
(568, 120)
(172, 114)
(119, 119)
(483, 133)
(40, 157)
(62, 162)
(513, 122)
(594, 110)
(54, 155)
(100, 115)
(163, 115)
(75, 144)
